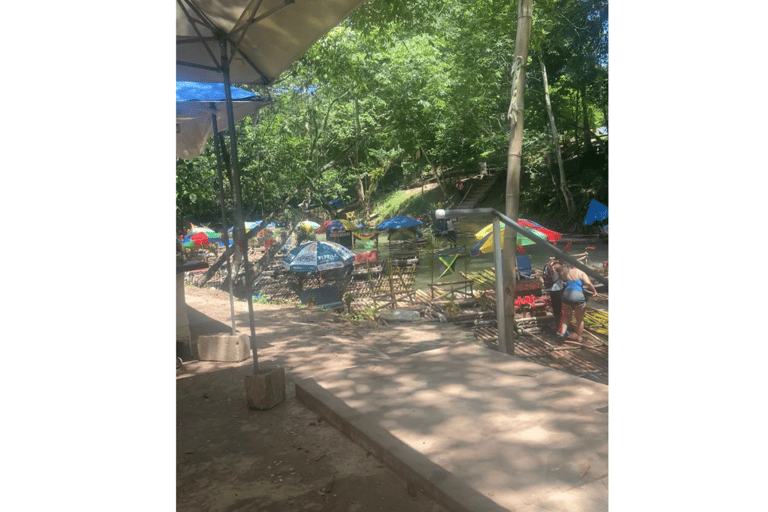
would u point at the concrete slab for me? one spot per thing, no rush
(476, 429)
(228, 348)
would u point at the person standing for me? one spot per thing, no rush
(574, 300)
(554, 284)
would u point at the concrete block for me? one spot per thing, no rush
(266, 388)
(403, 315)
(224, 347)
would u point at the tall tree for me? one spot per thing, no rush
(556, 142)
(514, 160)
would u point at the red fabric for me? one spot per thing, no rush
(552, 236)
(322, 228)
(200, 238)
(368, 256)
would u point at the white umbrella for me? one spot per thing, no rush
(248, 42)
(264, 36)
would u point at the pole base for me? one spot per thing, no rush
(266, 388)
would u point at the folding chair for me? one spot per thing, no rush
(448, 258)
(524, 268)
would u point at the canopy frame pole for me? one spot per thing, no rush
(193, 22)
(217, 148)
(240, 231)
(248, 18)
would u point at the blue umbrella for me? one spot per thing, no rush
(197, 102)
(339, 226)
(398, 222)
(318, 256)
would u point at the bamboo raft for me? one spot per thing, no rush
(588, 360)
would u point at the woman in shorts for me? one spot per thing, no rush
(574, 300)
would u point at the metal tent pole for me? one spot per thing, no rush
(240, 232)
(217, 147)
(500, 318)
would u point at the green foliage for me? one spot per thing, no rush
(403, 86)
(485, 302)
(348, 298)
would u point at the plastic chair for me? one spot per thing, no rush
(524, 267)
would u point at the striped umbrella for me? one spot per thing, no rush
(318, 256)
(485, 235)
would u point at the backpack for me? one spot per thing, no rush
(550, 276)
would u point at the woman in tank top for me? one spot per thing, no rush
(574, 300)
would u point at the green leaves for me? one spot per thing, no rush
(407, 84)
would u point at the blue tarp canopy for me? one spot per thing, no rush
(597, 211)
(195, 104)
(196, 91)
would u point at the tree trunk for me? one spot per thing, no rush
(556, 140)
(231, 249)
(434, 171)
(514, 162)
(364, 202)
(587, 128)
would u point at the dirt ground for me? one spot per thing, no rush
(230, 458)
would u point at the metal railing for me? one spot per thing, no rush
(500, 217)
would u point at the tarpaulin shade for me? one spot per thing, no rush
(597, 211)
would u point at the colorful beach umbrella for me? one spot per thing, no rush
(248, 226)
(317, 256)
(307, 225)
(201, 238)
(485, 235)
(199, 229)
(551, 235)
(337, 225)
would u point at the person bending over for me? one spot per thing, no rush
(574, 300)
